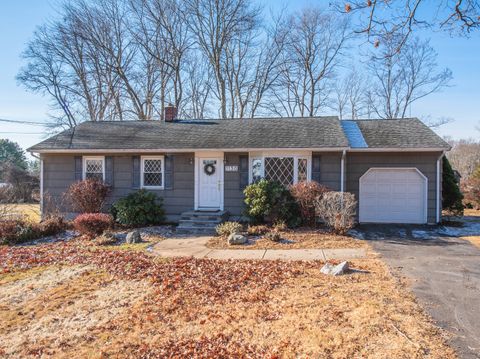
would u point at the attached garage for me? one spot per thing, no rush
(393, 195)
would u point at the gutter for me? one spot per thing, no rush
(41, 182)
(342, 171)
(438, 194)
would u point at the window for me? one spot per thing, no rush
(302, 170)
(152, 172)
(287, 169)
(94, 167)
(279, 169)
(257, 172)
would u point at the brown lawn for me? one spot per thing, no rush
(31, 211)
(66, 300)
(472, 212)
(299, 238)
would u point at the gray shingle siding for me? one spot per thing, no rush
(59, 174)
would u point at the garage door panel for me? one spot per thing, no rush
(392, 196)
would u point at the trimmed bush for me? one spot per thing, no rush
(87, 196)
(227, 228)
(305, 194)
(270, 201)
(92, 224)
(140, 208)
(337, 209)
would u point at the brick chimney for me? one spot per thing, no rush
(170, 113)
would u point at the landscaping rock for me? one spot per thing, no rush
(236, 238)
(335, 270)
(133, 237)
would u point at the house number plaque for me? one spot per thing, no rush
(231, 168)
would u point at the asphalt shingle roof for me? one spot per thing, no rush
(201, 134)
(317, 132)
(400, 133)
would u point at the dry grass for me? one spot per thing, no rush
(475, 240)
(30, 211)
(294, 239)
(80, 311)
(472, 212)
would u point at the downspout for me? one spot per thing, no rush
(439, 203)
(41, 181)
(342, 171)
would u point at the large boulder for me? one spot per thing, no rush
(236, 239)
(134, 237)
(335, 270)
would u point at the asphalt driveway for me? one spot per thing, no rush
(445, 276)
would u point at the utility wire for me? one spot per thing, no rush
(29, 123)
(20, 133)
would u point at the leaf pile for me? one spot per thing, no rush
(218, 346)
(208, 279)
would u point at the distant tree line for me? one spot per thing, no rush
(128, 59)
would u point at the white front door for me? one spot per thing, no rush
(210, 182)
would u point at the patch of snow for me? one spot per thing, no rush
(356, 234)
(470, 228)
(418, 234)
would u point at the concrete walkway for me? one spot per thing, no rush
(196, 247)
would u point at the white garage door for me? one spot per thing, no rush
(393, 195)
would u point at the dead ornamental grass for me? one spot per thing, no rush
(294, 239)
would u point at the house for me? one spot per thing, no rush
(392, 166)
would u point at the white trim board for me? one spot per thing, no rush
(189, 150)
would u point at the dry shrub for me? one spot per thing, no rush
(337, 209)
(106, 239)
(93, 224)
(273, 236)
(87, 196)
(227, 228)
(53, 225)
(257, 230)
(305, 194)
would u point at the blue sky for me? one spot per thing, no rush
(19, 18)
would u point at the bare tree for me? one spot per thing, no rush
(464, 156)
(199, 82)
(349, 98)
(315, 44)
(399, 18)
(163, 34)
(400, 80)
(216, 25)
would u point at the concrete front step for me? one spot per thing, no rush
(200, 222)
(204, 215)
